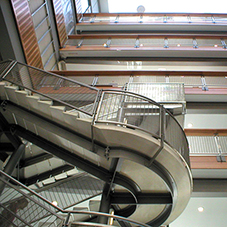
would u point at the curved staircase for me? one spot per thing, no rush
(129, 141)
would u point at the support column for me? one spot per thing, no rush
(105, 204)
(11, 164)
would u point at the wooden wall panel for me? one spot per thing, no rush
(60, 21)
(206, 162)
(27, 33)
(79, 12)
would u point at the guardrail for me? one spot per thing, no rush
(21, 206)
(151, 18)
(117, 107)
(135, 111)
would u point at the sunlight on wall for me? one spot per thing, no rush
(193, 6)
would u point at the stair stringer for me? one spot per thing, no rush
(133, 146)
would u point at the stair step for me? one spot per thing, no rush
(70, 118)
(44, 108)
(57, 113)
(33, 102)
(10, 93)
(22, 98)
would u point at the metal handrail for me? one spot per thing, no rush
(95, 103)
(132, 94)
(69, 212)
(212, 18)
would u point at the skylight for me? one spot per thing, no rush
(167, 6)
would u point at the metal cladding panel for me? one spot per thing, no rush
(27, 32)
(60, 21)
(202, 145)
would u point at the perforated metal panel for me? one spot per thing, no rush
(208, 42)
(216, 80)
(73, 42)
(123, 42)
(91, 42)
(145, 79)
(160, 92)
(113, 80)
(223, 143)
(187, 80)
(152, 42)
(201, 19)
(85, 79)
(202, 145)
(181, 42)
(102, 19)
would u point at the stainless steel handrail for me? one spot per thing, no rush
(68, 211)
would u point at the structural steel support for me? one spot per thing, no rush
(143, 198)
(75, 160)
(12, 162)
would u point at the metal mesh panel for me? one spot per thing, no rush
(123, 42)
(152, 42)
(92, 42)
(202, 145)
(209, 42)
(187, 80)
(84, 79)
(159, 92)
(132, 111)
(223, 144)
(179, 19)
(72, 42)
(181, 42)
(21, 208)
(53, 87)
(220, 19)
(175, 136)
(147, 79)
(113, 80)
(74, 190)
(222, 81)
(201, 19)
(102, 19)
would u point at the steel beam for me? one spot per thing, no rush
(105, 205)
(35, 160)
(118, 198)
(75, 160)
(6, 147)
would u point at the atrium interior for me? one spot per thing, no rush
(111, 117)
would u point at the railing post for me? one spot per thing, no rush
(162, 133)
(95, 112)
(67, 220)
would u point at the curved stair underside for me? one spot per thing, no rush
(135, 174)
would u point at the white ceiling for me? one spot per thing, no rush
(214, 214)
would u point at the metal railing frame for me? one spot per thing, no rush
(98, 102)
(69, 212)
(164, 17)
